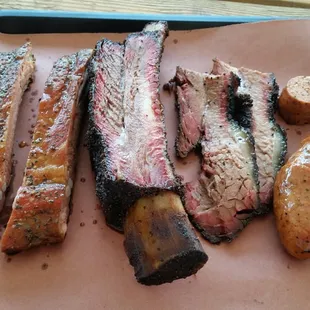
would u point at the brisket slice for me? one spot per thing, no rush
(270, 138)
(41, 206)
(191, 98)
(223, 199)
(190, 103)
(16, 71)
(127, 137)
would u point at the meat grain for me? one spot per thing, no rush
(270, 138)
(225, 196)
(190, 104)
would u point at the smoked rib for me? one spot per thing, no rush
(16, 71)
(41, 206)
(127, 135)
(135, 178)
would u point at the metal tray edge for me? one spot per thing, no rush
(41, 21)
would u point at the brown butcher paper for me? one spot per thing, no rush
(90, 269)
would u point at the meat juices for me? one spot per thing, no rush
(41, 206)
(17, 69)
(270, 138)
(222, 200)
(135, 179)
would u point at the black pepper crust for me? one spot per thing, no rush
(246, 121)
(274, 96)
(243, 120)
(117, 196)
(243, 110)
(179, 267)
(279, 130)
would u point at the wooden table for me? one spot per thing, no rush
(205, 7)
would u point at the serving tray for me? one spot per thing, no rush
(29, 21)
(90, 270)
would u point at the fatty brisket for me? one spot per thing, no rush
(225, 196)
(270, 138)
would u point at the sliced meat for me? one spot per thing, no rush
(270, 138)
(191, 99)
(16, 71)
(41, 206)
(224, 198)
(127, 137)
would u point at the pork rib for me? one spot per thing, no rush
(41, 206)
(225, 196)
(16, 71)
(270, 138)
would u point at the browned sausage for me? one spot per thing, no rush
(292, 202)
(294, 102)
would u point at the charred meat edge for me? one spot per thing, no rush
(244, 116)
(246, 215)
